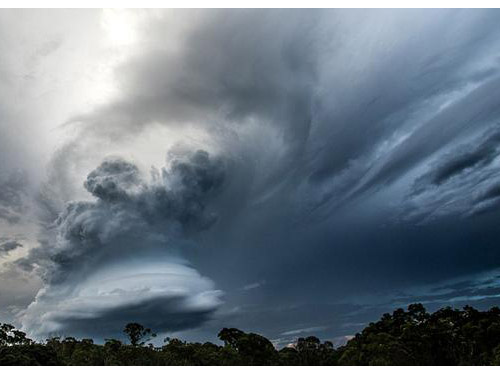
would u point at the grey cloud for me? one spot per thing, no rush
(288, 75)
(468, 160)
(13, 196)
(477, 158)
(335, 125)
(173, 204)
(463, 295)
(225, 71)
(387, 97)
(477, 110)
(163, 314)
(19, 289)
(303, 331)
(465, 157)
(163, 294)
(254, 285)
(462, 181)
(492, 193)
(131, 218)
(8, 245)
(111, 180)
(9, 216)
(330, 119)
(222, 79)
(482, 288)
(455, 286)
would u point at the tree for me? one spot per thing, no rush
(253, 349)
(136, 332)
(11, 336)
(312, 352)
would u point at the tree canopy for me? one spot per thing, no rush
(405, 337)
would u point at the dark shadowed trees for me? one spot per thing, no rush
(137, 334)
(251, 349)
(405, 337)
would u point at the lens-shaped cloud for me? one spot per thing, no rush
(162, 294)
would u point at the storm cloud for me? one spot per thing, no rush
(131, 219)
(351, 165)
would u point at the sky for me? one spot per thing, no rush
(285, 172)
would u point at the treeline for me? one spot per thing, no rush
(412, 337)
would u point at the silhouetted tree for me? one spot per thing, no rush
(252, 349)
(136, 332)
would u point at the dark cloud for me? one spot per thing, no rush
(492, 193)
(330, 126)
(395, 97)
(475, 111)
(161, 314)
(8, 245)
(484, 290)
(292, 81)
(358, 146)
(483, 155)
(474, 155)
(112, 179)
(461, 182)
(172, 204)
(131, 218)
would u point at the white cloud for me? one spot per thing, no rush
(176, 292)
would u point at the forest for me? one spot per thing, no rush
(406, 337)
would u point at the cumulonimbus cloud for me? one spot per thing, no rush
(119, 256)
(338, 122)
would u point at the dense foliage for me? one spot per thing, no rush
(413, 337)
